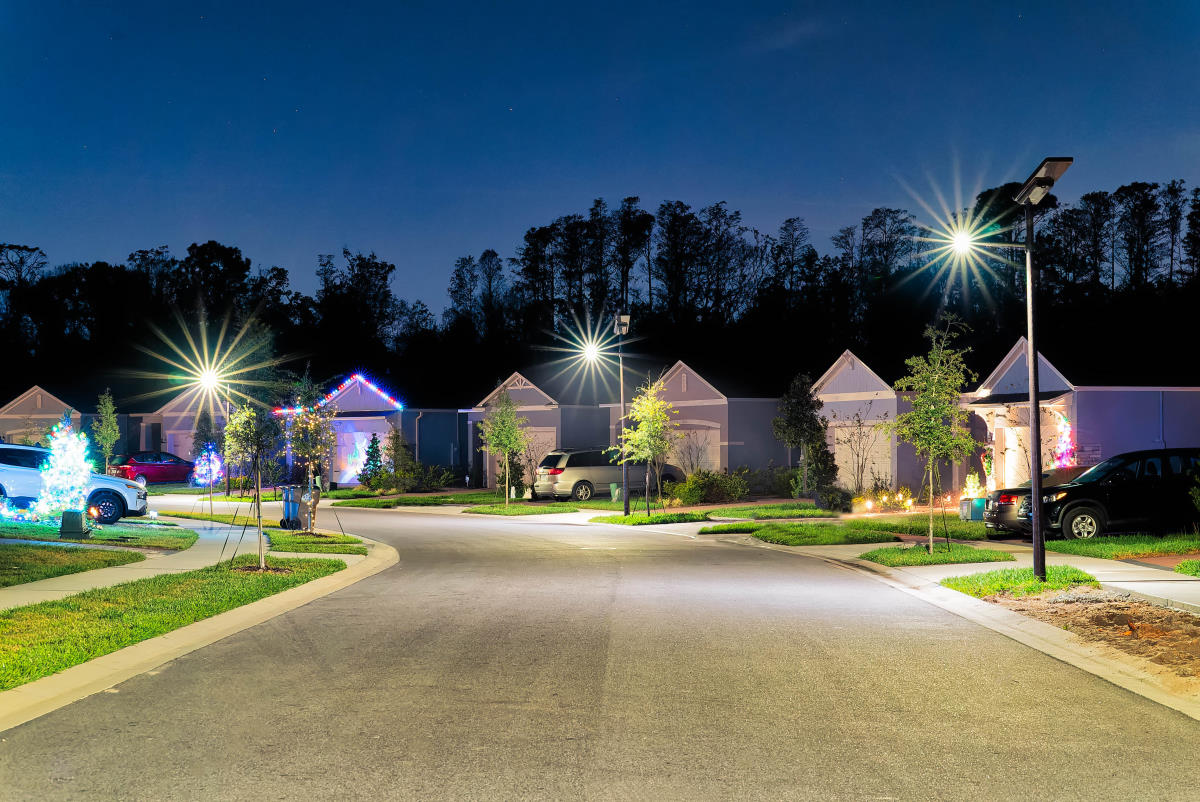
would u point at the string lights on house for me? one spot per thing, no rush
(357, 377)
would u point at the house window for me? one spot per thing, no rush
(683, 381)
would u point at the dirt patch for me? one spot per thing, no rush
(1167, 640)
(254, 569)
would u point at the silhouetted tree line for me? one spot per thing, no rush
(1121, 280)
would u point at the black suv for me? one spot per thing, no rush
(1138, 490)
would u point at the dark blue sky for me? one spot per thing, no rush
(428, 131)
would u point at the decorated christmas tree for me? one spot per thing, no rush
(66, 473)
(372, 464)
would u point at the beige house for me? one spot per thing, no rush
(26, 418)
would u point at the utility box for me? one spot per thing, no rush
(73, 525)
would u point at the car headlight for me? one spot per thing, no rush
(132, 486)
(1059, 496)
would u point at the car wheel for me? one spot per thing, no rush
(583, 491)
(1083, 523)
(109, 507)
(140, 479)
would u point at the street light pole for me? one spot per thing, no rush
(1031, 193)
(1035, 414)
(621, 327)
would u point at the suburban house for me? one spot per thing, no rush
(723, 425)
(1084, 419)
(435, 436)
(857, 403)
(27, 418)
(562, 409)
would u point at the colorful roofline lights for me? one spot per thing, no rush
(357, 377)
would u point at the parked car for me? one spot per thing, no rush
(585, 472)
(1000, 507)
(21, 481)
(147, 467)
(1137, 490)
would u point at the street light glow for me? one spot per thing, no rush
(963, 242)
(591, 351)
(209, 379)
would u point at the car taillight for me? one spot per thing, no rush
(554, 471)
(1007, 498)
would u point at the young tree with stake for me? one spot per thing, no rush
(252, 435)
(105, 430)
(653, 434)
(936, 425)
(502, 431)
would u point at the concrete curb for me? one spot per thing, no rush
(1045, 638)
(42, 696)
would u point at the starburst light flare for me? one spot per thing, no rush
(210, 376)
(588, 353)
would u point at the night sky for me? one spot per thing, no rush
(428, 131)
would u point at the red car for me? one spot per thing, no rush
(145, 467)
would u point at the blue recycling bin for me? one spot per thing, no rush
(291, 507)
(971, 509)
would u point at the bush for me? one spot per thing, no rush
(882, 498)
(774, 480)
(833, 498)
(706, 487)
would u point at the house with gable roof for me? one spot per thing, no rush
(28, 416)
(1086, 417)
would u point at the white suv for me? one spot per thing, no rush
(21, 480)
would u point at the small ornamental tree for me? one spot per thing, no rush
(503, 433)
(252, 436)
(936, 426)
(312, 437)
(653, 435)
(105, 430)
(801, 426)
(372, 464)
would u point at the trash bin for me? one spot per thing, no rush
(614, 490)
(971, 509)
(291, 507)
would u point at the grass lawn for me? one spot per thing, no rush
(283, 540)
(1019, 581)
(176, 488)
(516, 508)
(818, 534)
(1189, 567)
(351, 492)
(641, 519)
(736, 528)
(387, 503)
(22, 563)
(220, 517)
(797, 509)
(142, 533)
(1122, 547)
(919, 525)
(917, 555)
(45, 638)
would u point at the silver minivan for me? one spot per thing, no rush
(580, 473)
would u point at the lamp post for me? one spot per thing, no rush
(1036, 187)
(621, 328)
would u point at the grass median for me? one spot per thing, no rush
(1017, 582)
(285, 539)
(818, 534)
(641, 519)
(1124, 547)
(21, 563)
(919, 525)
(797, 509)
(434, 500)
(42, 639)
(942, 555)
(140, 533)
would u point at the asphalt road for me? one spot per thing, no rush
(521, 658)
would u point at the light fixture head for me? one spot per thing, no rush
(621, 325)
(209, 379)
(591, 351)
(963, 242)
(1038, 185)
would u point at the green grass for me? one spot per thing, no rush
(919, 525)
(439, 500)
(22, 563)
(736, 528)
(143, 534)
(636, 519)
(351, 492)
(1189, 567)
(240, 519)
(300, 542)
(523, 509)
(1019, 581)
(1123, 547)
(818, 534)
(917, 555)
(798, 509)
(176, 488)
(42, 639)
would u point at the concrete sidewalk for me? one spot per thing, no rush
(215, 542)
